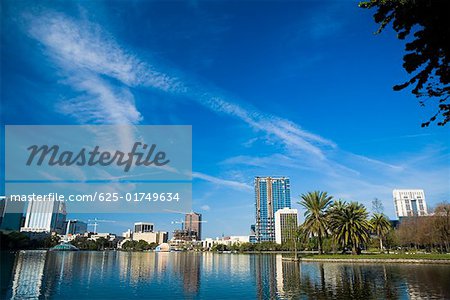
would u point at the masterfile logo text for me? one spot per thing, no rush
(101, 168)
(53, 156)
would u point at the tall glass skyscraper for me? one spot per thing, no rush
(45, 216)
(271, 194)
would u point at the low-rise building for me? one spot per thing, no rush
(285, 224)
(158, 237)
(208, 243)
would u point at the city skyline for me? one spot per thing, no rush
(278, 103)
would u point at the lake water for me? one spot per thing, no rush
(149, 275)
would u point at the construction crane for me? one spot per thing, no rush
(182, 222)
(96, 221)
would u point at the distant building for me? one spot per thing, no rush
(409, 203)
(164, 247)
(112, 239)
(285, 224)
(185, 235)
(193, 225)
(144, 231)
(158, 237)
(45, 216)
(271, 194)
(208, 243)
(2, 208)
(10, 214)
(141, 227)
(394, 223)
(128, 234)
(75, 227)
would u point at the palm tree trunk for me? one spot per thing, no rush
(295, 248)
(381, 244)
(319, 238)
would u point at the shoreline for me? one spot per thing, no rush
(376, 260)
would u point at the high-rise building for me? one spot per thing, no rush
(285, 224)
(141, 227)
(271, 194)
(253, 233)
(193, 225)
(10, 214)
(75, 227)
(409, 203)
(45, 216)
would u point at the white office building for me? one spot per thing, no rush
(285, 224)
(45, 216)
(143, 227)
(410, 203)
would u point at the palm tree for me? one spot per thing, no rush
(350, 226)
(381, 226)
(316, 223)
(336, 208)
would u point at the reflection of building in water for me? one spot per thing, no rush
(275, 277)
(162, 259)
(209, 262)
(279, 274)
(425, 281)
(187, 265)
(287, 277)
(191, 273)
(265, 274)
(28, 275)
(134, 267)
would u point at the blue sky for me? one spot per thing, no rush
(300, 89)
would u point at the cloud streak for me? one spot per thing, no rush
(86, 52)
(223, 182)
(104, 74)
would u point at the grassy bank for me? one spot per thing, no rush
(421, 256)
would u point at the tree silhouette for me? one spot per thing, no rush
(426, 24)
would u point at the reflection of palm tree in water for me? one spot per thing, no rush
(287, 279)
(339, 281)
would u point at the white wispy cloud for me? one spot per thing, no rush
(86, 51)
(85, 45)
(100, 102)
(205, 207)
(223, 182)
(104, 74)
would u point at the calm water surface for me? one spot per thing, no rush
(121, 275)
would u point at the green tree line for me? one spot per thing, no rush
(347, 226)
